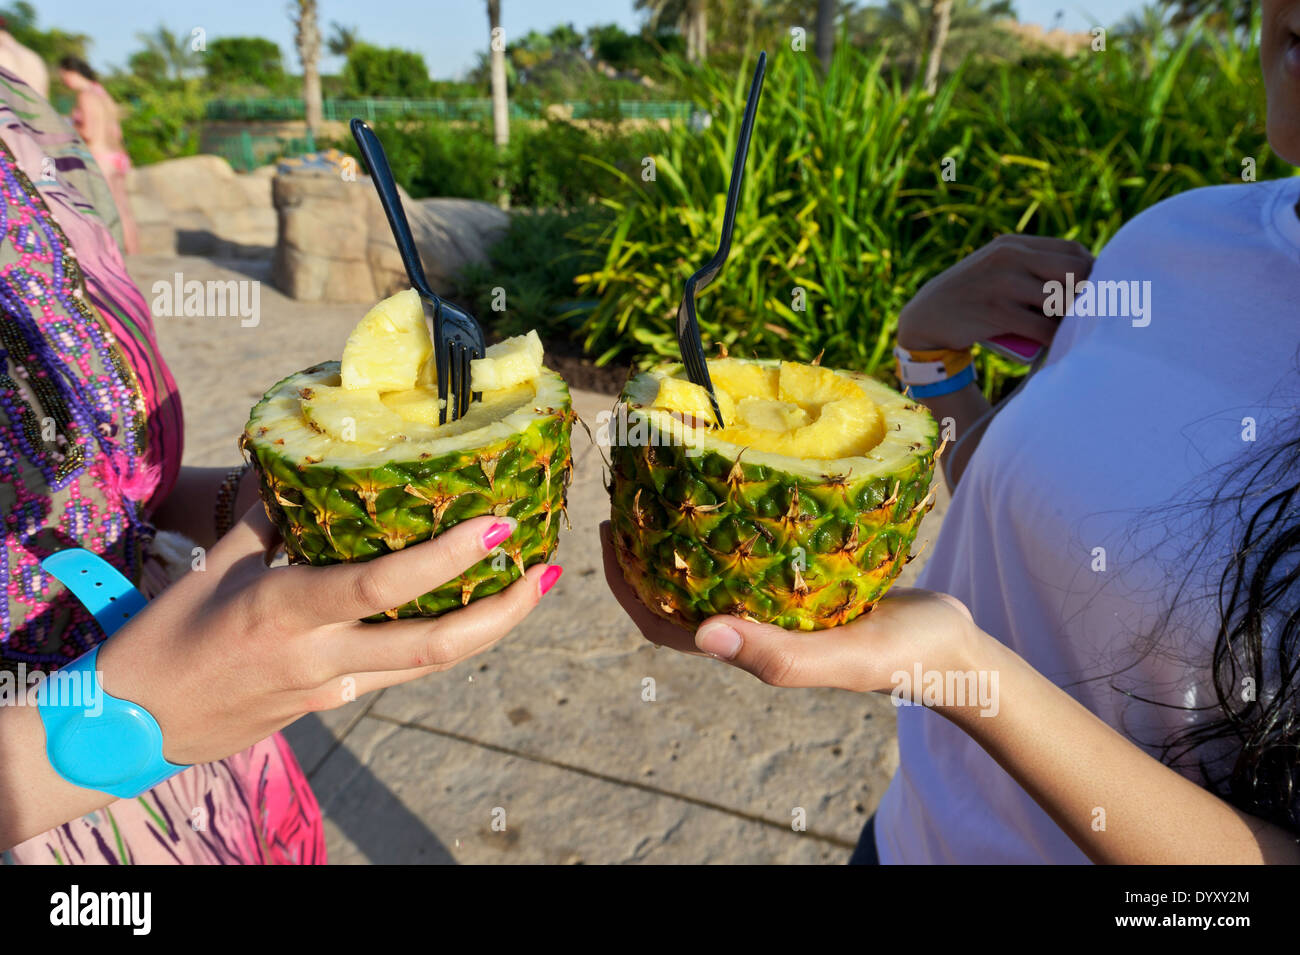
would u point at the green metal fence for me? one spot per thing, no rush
(246, 151)
(273, 108)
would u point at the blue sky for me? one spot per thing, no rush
(449, 33)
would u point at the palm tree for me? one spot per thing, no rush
(825, 32)
(1225, 15)
(307, 37)
(911, 28)
(342, 39)
(691, 17)
(172, 49)
(941, 21)
(500, 104)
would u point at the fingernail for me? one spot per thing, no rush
(549, 577)
(498, 532)
(719, 640)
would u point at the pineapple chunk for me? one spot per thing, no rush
(846, 428)
(811, 386)
(770, 414)
(358, 417)
(387, 350)
(800, 411)
(507, 364)
(690, 400)
(743, 379)
(415, 404)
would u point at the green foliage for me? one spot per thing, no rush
(232, 60)
(907, 26)
(51, 45)
(176, 50)
(534, 265)
(158, 121)
(632, 51)
(341, 39)
(540, 167)
(436, 159)
(148, 65)
(385, 71)
(845, 195)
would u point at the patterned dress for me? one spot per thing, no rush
(90, 444)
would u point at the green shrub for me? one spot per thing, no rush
(381, 71)
(243, 60)
(845, 194)
(541, 168)
(534, 264)
(434, 158)
(159, 121)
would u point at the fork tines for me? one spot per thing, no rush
(457, 341)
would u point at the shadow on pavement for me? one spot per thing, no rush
(363, 808)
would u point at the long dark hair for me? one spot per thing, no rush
(1256, 657)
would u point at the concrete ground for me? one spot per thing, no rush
(549, 732)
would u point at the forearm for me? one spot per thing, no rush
(1118, 804)
(190, 508)
(33, 797)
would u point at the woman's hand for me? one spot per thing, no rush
(230, 654)
(996, 290)
(907, 627)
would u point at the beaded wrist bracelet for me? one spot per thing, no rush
(226, 494)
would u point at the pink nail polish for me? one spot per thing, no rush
(549, 578)
(497, 533)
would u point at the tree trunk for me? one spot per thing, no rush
(308, 41)
(500, 102)
(697, 31)
(939, 37)
(825, 32)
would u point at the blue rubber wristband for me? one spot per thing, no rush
(92, 738)
(946, 387)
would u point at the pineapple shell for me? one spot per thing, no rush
(703, 527)
(328, 510)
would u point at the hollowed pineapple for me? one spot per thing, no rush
(353, 463)
(800, 512)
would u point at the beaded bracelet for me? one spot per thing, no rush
(226, 494)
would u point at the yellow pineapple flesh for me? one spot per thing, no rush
(390, 346)
(799, 411)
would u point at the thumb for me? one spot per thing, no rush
(777, 657)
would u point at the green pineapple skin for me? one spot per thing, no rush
(328, 514)
(698, 535)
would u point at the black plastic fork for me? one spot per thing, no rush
(457, 337)
(688, 326)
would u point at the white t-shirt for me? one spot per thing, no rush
(1063, 537)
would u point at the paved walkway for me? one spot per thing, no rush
(548, 732)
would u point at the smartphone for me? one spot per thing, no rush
(1015, 348)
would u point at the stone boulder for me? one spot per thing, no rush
(450, 234)
(321, 255)
(335, 245)
(198, 205)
